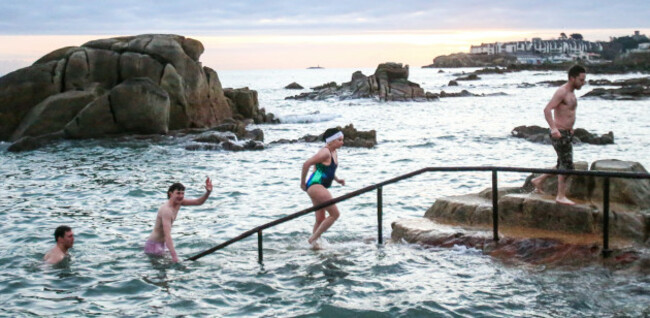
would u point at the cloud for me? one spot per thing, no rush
(284, 16)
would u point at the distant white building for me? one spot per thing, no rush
(538, 46)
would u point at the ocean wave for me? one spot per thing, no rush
(314, 117)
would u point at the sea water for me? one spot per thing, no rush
(109, 190)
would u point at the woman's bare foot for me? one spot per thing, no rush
(314, 244)
(564, 201)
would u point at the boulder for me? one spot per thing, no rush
(452, 83)
(136, 106)
(294, 85)
(95, 120)
(140, 106)
(470, 77)
(23, 89)
(54, 113)
(244, 105)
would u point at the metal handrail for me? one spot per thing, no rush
(495, 206)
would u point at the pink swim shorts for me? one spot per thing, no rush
(154, 248)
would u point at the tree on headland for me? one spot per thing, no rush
(563, 36)
(576, 36)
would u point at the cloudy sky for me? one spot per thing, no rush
(248, 34)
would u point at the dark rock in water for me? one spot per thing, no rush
(463, 93)
(470, 77)
(636, 92)
(31, 143)
(541, 135)
(245, 105)
(643, 81)
(452, 83)
(294, 85)
(525, 85)
(553, 83)
(249, 145)
(388, 83)
(352, 136)
(441, 71)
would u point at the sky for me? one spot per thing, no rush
(283, 34)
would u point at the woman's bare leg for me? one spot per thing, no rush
(319, 194)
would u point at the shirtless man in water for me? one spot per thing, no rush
(64, 239)
(161, 235)
(560, 114)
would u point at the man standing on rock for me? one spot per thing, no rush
(161, 236)
(560, 113)
(64, 239)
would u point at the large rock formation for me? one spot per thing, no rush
(389, 83)
(136, 84)
(629, 205)
(541, 135)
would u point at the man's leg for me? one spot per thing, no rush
(561, 191)
(564, 149)
(539, 182)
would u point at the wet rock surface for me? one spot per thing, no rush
(629, 216)
(548, 252)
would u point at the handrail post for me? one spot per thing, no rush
(606, 251)
(260, 255)
(495, 206)
(379, 215)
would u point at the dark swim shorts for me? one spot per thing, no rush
(564, 148)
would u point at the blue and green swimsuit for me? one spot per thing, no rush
(323, 174)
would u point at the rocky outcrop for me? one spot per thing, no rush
(352, 138)
(541, 135)
(245, 105)
(141, 84)
(389, 83)
(636, 92)
(472, 60)
(294, 85)
(630, 89)
(231, 135)
(629, 205)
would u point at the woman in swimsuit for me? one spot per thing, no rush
(326, 161)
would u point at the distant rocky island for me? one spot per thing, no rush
(315, 67)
